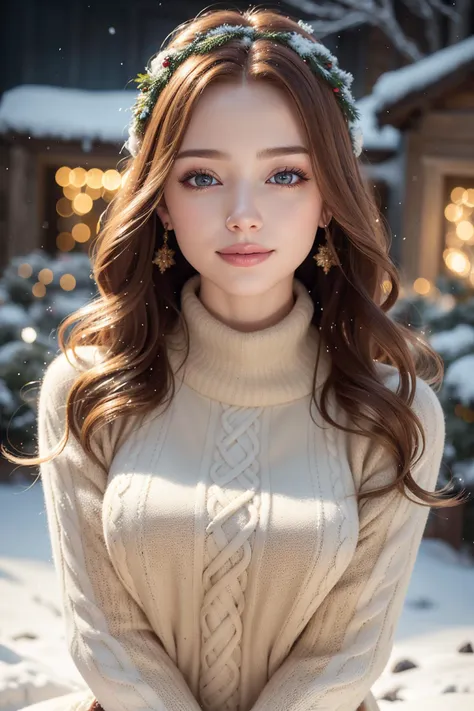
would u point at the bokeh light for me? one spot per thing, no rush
(456, 195)
(45, 276)
(111, 180)
(65, 241)
(78, 177)
(82, 204)
(70, 191)
(453, 212)
(457, 261)
(468, 197)
(422, 286)
(67, 282)
(63, 176)
(94, 178)
(465, 230)
(64, 207)
(38, 290)
(25, 270)
(28, 334)
(81, 232)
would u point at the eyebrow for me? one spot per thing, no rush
(220, 155)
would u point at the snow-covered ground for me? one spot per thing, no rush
(437, 621)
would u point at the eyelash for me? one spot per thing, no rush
(191, 174)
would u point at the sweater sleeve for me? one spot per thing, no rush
(109, 636)
(346, 644)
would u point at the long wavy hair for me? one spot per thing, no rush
(136, 308)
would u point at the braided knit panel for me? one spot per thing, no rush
(233, 503)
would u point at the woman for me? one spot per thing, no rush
(219, 545)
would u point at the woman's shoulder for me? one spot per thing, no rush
(365, 455)
(65, 367)
(426, 403)
(58, 378)
(427, 407)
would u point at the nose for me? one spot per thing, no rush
(244, 216)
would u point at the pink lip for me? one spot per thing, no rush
(245, 260)
(244, 249)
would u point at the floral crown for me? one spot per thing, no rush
(312, 52)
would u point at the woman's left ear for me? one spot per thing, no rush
(163, 214)
(325, 219)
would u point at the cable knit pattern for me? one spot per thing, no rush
(221, 561)
(233, 508)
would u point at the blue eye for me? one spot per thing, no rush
(203, 174)
(301, 174)
(198, 174)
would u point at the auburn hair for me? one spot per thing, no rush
(136, 307)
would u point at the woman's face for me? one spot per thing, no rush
(239, 196)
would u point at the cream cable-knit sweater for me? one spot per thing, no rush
(223, 563)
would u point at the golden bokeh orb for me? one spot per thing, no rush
(67, 282)
(422, 286)
(78, 177)
(453, 212)
(468, 197)
(95, 193)
(81, 232)
(64, 207)
(465, 230)
(82, 204)
(39, 290)
(25, 270)
(45, 276)
(70, 191)
(63, 176)
(65, 241)
(111, 180)
(456, 194)
(457, 261)
(94, 178)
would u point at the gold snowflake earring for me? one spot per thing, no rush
(325, 258)
(164, 255)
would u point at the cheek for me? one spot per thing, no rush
(302, 203)
(302, 224)
(298, 216)
(187, 207)
(192, 224)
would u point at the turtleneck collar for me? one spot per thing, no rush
(272, 366)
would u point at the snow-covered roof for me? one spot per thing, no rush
(68, 114)
(76, 114)
(375, 137)
(393, 87)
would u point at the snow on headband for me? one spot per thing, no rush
(312, 52)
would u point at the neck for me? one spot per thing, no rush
(270, 366)
(248, 313)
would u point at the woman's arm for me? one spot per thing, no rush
(347, 643)
(109, 637)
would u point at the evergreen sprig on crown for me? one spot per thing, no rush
(312, 52)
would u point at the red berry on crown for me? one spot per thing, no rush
(166, 62)
(336, 90)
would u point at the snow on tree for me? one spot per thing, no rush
(330, 17)
(28, 332)
(445, 317)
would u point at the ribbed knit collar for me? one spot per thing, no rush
(271, 366)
